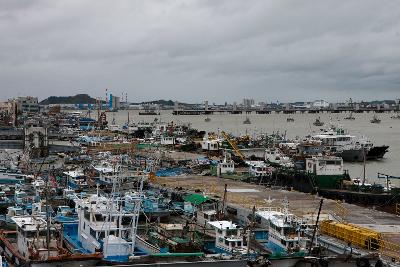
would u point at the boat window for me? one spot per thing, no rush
(239, 243)
(288, 231)
(29, 234)
(99, 217)
(87, 215)
(233, 244)
(19, 212)
(226, 242)
(231, 232)
(93, 233)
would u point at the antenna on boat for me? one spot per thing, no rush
(285, 206)
(269, 200)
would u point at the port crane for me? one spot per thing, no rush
(387, 177)
(233, 145)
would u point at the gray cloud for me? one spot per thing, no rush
(198, 50)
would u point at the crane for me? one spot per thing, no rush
(233, 145)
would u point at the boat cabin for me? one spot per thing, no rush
(205, 216)
(325, 165)
(211, 144)
(76, 179)
(103, 226)
(168, 140)
(31, 238)
(225, 167)
(283, 229)
(228, 237)
(258, 168)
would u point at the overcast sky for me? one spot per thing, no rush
(216, 50)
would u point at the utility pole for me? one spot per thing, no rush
(223, 202)
(365, 163)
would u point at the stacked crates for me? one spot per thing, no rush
(356, 235)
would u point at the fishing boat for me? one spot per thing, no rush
(6, 221)
(339, 142)
(258, 168)
(286, 232)
(229, 238)
(289, 119)
(318, 122)
(375, 119)
(207, 119)
(247, 121)
(104, 226)
(37, 244)
(326, 171)
(76, 179)
(275, 158)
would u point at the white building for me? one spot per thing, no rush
(248, 102)
(320, 104)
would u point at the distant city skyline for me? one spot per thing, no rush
(196, 50)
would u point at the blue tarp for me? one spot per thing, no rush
(176, 171)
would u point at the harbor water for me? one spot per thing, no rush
(385, 133)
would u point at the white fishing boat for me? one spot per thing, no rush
(274, 157)
(285, 230)
(258, 168)
(229, 238)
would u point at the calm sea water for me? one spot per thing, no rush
(385, 133)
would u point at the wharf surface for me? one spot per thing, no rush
(300, 204)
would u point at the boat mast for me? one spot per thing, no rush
(316, 225)
(364, 165)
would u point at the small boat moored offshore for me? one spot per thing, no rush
(289, 119)
(318, 122)
(375, 119)
(247, 121)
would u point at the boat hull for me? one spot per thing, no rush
(352, 155)
(205, 263)
(377, 152)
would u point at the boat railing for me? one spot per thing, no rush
(140, 242)
(275, 209)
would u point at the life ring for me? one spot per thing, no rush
(309, 165)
